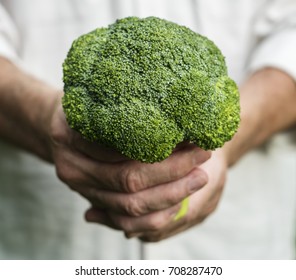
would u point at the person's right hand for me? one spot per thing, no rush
(113, 182)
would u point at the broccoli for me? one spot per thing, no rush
(142, 86)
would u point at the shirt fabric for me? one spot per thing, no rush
(40, 218)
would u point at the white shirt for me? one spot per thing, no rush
(256, 218)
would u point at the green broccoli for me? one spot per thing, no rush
(142, 86)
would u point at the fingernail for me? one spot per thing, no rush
(201, 156)
(193, 187)
(93, 216)
(197, 182)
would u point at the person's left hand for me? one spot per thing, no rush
(152, 227)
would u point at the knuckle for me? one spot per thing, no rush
(59, 131)
(156, 224)
(134, 207)
(122, 223)
(176, 171)
(63, 172)
(130, 179)
(175, 195)
(67, 174)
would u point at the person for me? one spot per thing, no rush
(42, 219)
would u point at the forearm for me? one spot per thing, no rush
(25, 108)
(268, 102)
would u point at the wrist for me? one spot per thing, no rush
(44, 123)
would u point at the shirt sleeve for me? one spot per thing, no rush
(9, 39)
(275, 31)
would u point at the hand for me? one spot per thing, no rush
(201, 203)
(161, 224)
(116, 184)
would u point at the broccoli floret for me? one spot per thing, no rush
(142, 86)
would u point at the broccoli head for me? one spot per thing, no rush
(142, 86)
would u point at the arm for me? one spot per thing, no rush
(268, 100)
(25, 110)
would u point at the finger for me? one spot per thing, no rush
(134, 176)
(123, 176)
(174, 228)
(129, 176)
(202, 204)
(158, 235)
(149, 200)
(152, 231)
(76, 169)
(169, 231)
(151, 222)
